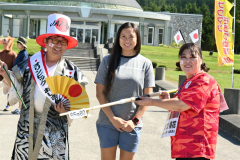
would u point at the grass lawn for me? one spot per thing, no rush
(32, 45)
(169, 57)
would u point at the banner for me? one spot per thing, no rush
(223, 32)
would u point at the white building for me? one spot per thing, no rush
(100, 18)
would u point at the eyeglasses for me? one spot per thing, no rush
(63, 42)
(125, 38)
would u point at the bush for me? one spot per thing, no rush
(154, 64)
(162, 45)
(237, 71)
(174, 44)
(163, 66)
(178, 66)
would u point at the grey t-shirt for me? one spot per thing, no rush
(132, 76)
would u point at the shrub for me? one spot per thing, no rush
(163, 66)
(162, 45)
(178, 66)
(174, 44)
(237, 71)
(154, 64)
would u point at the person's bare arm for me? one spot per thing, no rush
(173, 104)
(129, 126)
(116, 121)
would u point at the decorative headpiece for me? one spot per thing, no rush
(58, 25)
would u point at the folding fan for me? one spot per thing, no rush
(68, 91)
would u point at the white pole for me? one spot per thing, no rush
(234, 19)
(122, 101)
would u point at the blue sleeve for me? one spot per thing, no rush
(21, 57)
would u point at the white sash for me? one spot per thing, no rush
(39, 72)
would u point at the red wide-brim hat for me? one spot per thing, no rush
(72, 42)
(58, 25)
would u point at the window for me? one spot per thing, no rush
(160, 36)
(77, 22)
(92, 23)
(95, 33)
(150, 35)
(73, 32)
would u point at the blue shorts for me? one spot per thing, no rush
(109, 136)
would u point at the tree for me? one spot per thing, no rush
(204, 7)
(208, 40)
(172, 8)
(154, 7)
(164, 7)
(188, 8)
(194, 9)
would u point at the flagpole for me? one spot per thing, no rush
(182, 36)
(234, 20)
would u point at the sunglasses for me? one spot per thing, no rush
(63, 42)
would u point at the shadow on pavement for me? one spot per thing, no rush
(230, 139)
(9, 114)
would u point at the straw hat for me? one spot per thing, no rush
(58, 25)
(23, 41)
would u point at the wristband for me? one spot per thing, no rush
(135, 120)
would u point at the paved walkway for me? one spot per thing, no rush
(84, 144)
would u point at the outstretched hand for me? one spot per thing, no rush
(164, 95)
(60, 108)
(145, 101)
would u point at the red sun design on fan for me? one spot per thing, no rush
(178, 37)
(62, 24)
(70, 73)
(195, 36)
(75, 90)
(35, 60)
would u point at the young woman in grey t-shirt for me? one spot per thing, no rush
(123, 74)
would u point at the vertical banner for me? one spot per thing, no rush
(223, 32)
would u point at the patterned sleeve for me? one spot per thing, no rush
(102, 71)
(197, 94)
(82, 78)
(78, 75)
(149, 80)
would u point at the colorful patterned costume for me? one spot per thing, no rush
(41, 135)
(197, 130)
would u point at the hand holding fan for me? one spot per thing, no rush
(68, 91)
